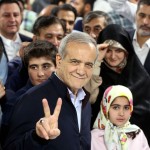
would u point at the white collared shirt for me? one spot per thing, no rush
(77, 102)
(141, 52)
(11, 47)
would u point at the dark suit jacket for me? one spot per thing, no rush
(17, 75)
(13, 82)
(147, 61)
(28, 110)
(23, 39)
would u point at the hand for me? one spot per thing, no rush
(2, 90)
(102, 50)
(47, 127)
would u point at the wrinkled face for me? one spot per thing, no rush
(79, 6)
(53, 34)
(119, 112)
(10, 19)
(114, 56)
(143, 20)
(40, 69)
(69, 18)
(76, 68)
(94, 27)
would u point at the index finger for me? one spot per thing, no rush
(58, 108)
(102, 46)
(46, 108)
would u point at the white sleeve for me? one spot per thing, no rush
(102, 5)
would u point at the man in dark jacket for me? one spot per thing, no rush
(10, 39)
(30, 128)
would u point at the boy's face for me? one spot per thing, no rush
(119, 112)
(39, 69)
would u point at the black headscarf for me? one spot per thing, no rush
(132, 76)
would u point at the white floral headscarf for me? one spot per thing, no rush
(114, 137)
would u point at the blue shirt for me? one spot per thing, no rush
(3, 69)
(77, 102)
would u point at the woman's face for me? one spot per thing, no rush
(114, 56)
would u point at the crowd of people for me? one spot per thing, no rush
(74, 75)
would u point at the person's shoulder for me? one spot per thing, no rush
(25, 38)
(135, 144)
(97, 132)
(41, 87)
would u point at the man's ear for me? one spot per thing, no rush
(58, 60)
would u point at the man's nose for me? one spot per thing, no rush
(147, 20)
(92, 34)
(81, 69)
(55, 41)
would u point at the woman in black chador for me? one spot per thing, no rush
(121, 66)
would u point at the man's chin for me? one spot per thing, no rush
(144, 33)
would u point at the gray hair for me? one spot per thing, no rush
(97, 14)
(79, 37)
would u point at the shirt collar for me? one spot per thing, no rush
(80, 95)
(135, 39)
(5, 40)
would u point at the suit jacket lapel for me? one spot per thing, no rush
(4, 51)
(147, 63)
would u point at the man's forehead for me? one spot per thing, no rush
(49, 31)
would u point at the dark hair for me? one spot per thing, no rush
(54, 11)
(22, 3)
(45, 21)
(39, 48)
(143, 2)
(10, 2)
(133, 134)
(66, 7)
(96, 14)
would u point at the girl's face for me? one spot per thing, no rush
(114, 56)
(119, 112)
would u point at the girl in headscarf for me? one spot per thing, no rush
(114, 129)
(121, 66)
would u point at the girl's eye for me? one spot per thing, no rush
(127, 107)
(116, 107)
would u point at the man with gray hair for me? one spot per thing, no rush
(94, 22)
(36, 123)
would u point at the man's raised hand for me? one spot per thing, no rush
(47, 127)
